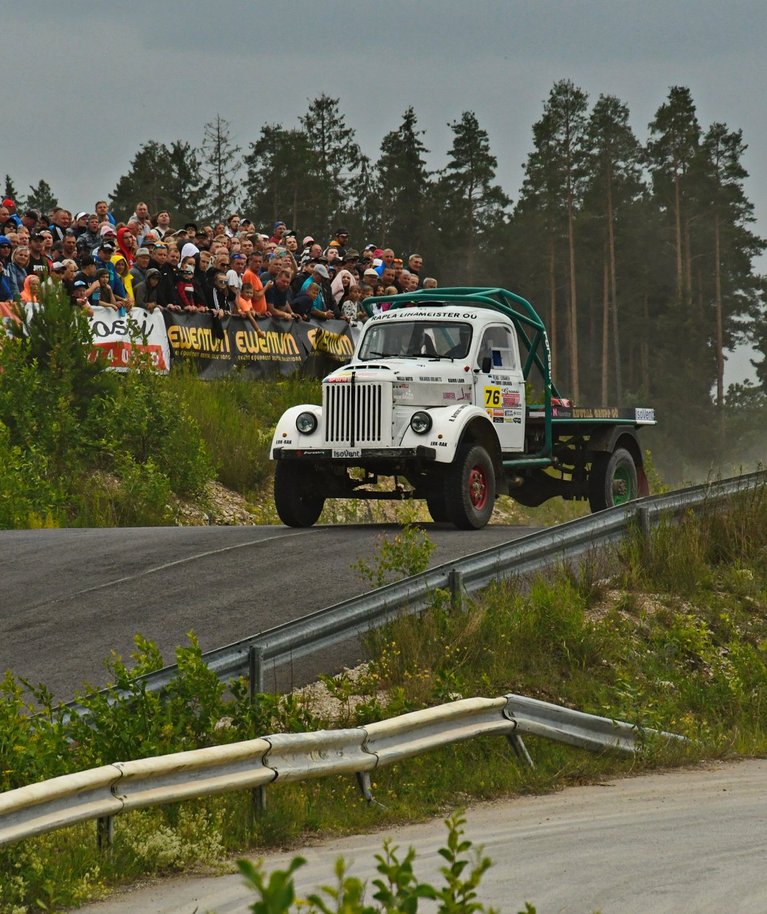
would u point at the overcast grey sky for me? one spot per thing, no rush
(88, 82)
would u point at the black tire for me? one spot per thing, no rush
(612, 480)
(470, 488)
(295, 496)
(438, 509)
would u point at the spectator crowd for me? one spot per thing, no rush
(225, 270)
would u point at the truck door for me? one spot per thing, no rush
(499, 386)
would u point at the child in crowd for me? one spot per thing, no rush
(244, 307)
(31, 292)
(350, 306)
(103, 294)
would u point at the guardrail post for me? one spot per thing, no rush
(255, 671)
(520, 749)
(258, 795)
(643, 522)
(363, 781)
(105, 833)
(455, 583)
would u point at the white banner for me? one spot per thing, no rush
(115, 337)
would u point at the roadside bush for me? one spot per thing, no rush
(80, 444)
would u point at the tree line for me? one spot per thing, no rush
(638, 253)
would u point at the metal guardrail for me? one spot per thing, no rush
(105, 792)
(535, 552)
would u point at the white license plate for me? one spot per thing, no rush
(344, 453)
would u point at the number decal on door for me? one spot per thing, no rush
(493, 396)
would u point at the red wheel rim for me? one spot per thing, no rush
(477, 488)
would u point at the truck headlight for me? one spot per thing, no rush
(306, 423)
(420, 422)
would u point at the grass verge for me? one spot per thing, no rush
(674, 637)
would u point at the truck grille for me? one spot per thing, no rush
(357, 414)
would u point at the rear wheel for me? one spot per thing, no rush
(470, 488)
(295, 495)
(613, 480)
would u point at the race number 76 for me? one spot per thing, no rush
(492, 396)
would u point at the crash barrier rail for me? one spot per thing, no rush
(105, 792)
(348, 620)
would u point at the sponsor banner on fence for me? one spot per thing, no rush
(215, 348)
(115, 337)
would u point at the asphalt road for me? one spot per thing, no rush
(68, 598)
(679, 841)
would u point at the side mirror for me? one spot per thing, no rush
(486, 364)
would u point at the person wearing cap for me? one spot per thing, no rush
(8, 222)
(30, 220)
(323, 302)
(140, 266)
(278, 230)
(350, 260)
(5, 252)
(39, 262)
(304, 272)
(79, 296)
(237, 264)
(306, 244)
(188, 295)
(80, 223)
(340, 240)
(69, 246)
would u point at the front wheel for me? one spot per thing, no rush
(613, 480)
(295, 496)
(470, 488)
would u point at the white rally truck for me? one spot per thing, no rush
(436, 397)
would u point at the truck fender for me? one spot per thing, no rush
(609, 438)
(450, 426)
(287, 436)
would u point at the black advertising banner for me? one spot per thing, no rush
(215, 349)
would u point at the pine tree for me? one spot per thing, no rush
(732, 246)
(221, 166)
(165, 178)
(555, 181)
(146, 181)
(402, 187)
(614, 183)
(187, 189)
(11, 193)
(42, 198)
(671, 153)
(471, 208)
(335, 162)
(278, 182)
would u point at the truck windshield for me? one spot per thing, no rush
(416, 339)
